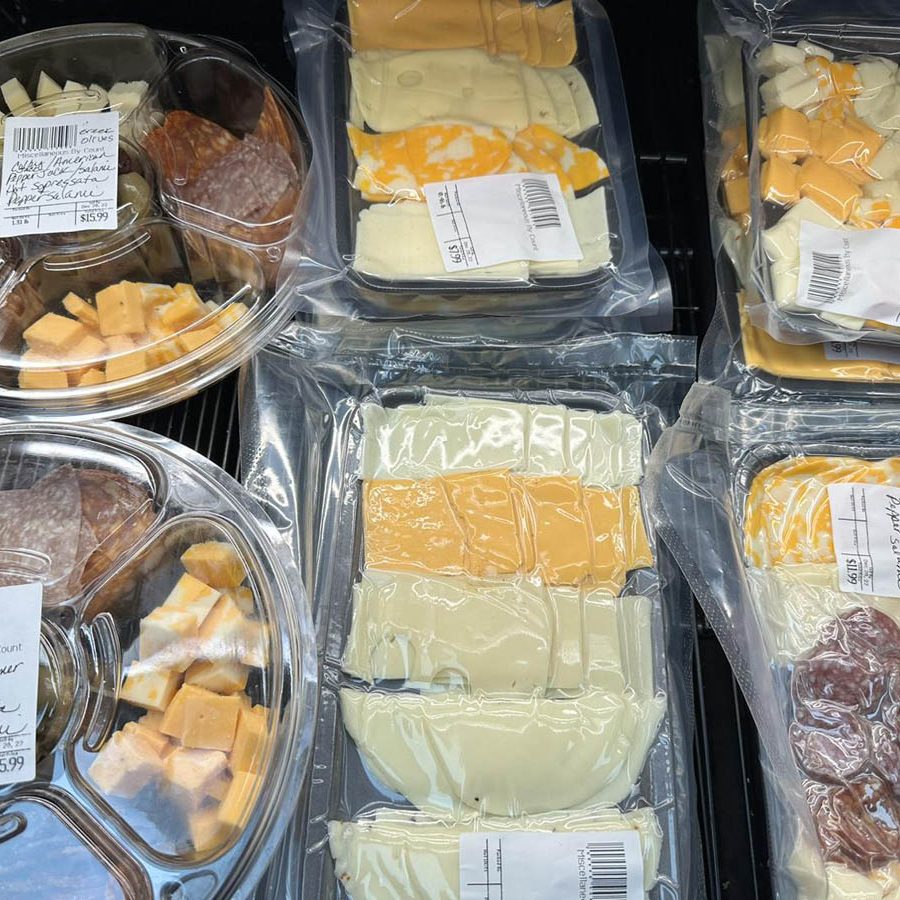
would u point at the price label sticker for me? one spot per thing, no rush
(20, 649)
(60, 174)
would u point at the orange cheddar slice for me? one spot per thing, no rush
(556, 32)
(578, 166)
(619, 538)
(787, 514)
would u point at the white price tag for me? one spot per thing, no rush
(836, 350)
(865, 525)
(537, 865)
(497, 219)
(60, 174)
(20, 647)
(851, 273)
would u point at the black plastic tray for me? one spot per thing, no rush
(657, 51)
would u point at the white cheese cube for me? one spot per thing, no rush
(72, 104)
(16, 97)
(193, 597)
(149, 687)
(98, 100)
(890, 188)
(885, 114)
(811, 49)
(125, 765)
(47, 88)
(224, 676)
(886, 163)
(163, 627)
(793, 87)
(875, 74)
(192, 773)
(124, 96)
(777, 57)
(785, 276)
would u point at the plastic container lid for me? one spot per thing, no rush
(190, 283)
(177, 670)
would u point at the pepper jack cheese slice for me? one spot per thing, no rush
(539, 33)
(503, 755)
(787, 516)
(396, 90)
(391, 853)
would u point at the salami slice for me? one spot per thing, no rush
(186, 144)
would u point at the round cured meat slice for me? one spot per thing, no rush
(186, 145)
(830, 741)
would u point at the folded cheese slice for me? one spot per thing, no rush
(395, 90)
(397, 242)
(493, 523)
(456, 434)
(497, 635)
(397, 165)
(503, 755)
(392, 853)
(787, 515)
(543, 34)
(798, 601)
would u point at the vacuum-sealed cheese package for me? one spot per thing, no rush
(503, 652)
(474, 149)
(783, 518)
(151, 195)
(159, 670)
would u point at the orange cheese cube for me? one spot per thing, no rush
(173, 720)
(210, 721)
(91, 377)
(238, 802)
(834, 108)
(149, 686)
(242, 598)
(183, 311)
(81, 309)
(820, 67)
(206, 831)
(215, 563)
(227, 315)
(829, 188)
(785, 133)
(224, 676)
(54, 334)
(120, 309)
(155, 295)
(779, 181)
(737, 195)
(735, 139)
(36, 377)
(89, 348)
(193, 596)
(161, 353)
(845, 77)
(247, 754)
(848, 141)
(189, 341)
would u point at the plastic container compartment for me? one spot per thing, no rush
(134, 795)
(468, 773)
(212, 166)
(841, 174)
(576, 93)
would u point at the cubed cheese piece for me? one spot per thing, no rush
(820, 68)
(785, 275)
(91, 377)
(777, 57)
(227, 315)
(207, 832)
(156, 295)
(149, 687)
(151, 719)
(224, 632)
(737, 195)
(829, 188)
(254, 647)
(152, 736)
(225, 676)
(161, 353)
(848, 141)
(786, 133)
(885, 112)
(210, 721)
(120, 309)
(780, 181)
(124, 96)
(193, 773)
(191, 595)
(125, 765)
(48, 92)
(16, 97)
(97, 101)
(81, 309)
(72, 103)
(782, 240)
(811, 49)
(89, 349)
(243, 599)
(875, 74)
(217, 563)
(192, 340)
(184, 310)
(889, 189)
(871, 211)
(36, 375)
(165, 626)
(846, 79)
(249, 741)
(238, 802)
(793, 87)
(54, 334)
(886, 163)
(173, 720)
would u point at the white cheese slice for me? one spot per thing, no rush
(591, 225)
(391, 853)
(584, 99)
(503, 755)
(568, 122)
(484, 635)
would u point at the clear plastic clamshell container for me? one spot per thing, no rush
(176, 694)
(190, 282)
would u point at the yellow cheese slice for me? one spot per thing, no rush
(544, 150)
(556, 31)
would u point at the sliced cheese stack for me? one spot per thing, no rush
(830, 144)
(129, 328)
(540, 34)
(537, 706)
(201, 742)
(392, 853)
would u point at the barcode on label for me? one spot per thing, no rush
(50, 137)
(827, 281)
(540, 204)
(607, 871)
